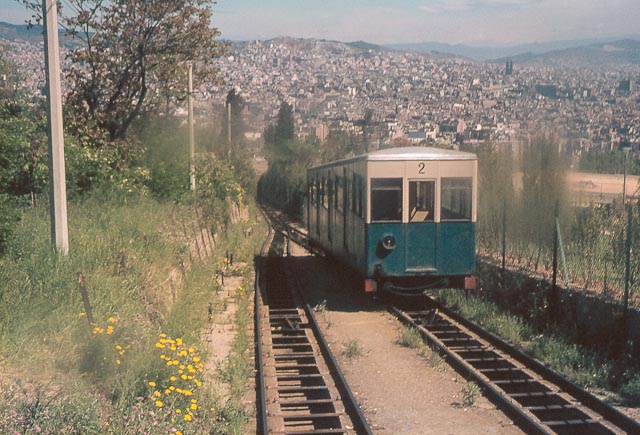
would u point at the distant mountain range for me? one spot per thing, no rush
(585, 52)
(32, 34)
(488, 53)
(614, 53)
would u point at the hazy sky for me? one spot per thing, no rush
(495, 22)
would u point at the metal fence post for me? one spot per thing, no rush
(627, 273)
(504, 234)
(553, 299)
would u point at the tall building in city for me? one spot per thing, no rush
(508, 68)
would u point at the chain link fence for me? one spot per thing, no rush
(594, 248)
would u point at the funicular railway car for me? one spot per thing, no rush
(404, 219)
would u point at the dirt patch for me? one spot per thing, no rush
(221, 331)
(398, 390)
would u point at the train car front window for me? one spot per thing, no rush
(386, 199)
(456, 199)
(422, 201)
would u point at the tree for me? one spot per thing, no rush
(236, 103)
(340, 145)
(543, 184)
(133, 56)
(285, 128)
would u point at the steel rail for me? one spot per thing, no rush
(297, 369)
(611, 414)
(524, 420)
(261, 416)
(523, 393)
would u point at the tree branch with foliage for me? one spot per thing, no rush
(133, 57)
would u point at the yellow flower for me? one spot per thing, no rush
(191, 350)
(152, 384)
(159, 345)
(194, 406)
(178, 411)
(83, 314)
(178, 432)
(118, 362)
(179, 341)
(163, 335)
(187, 417)
(196, 359)
(184, 377)
(194, 400)
(173, 378)
(118, 347)
(111, 319)
(157, 393)
(159, 403)
(109, 330)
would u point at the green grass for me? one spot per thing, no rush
(583, 366)
(411, 338)
(352, 349)
(470, 394)
(142, 281)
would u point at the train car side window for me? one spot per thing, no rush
(361, 198)
(312, 191)
(323, 193)
(339, 194)
(422, 200)
(456, 199)
(354, 194)
(386, 199)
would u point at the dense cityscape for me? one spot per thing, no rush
(414, 97)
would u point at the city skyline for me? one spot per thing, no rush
(472, 22)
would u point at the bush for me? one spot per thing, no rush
(9, 215)
(630, 392)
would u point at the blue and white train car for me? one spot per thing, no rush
(403, 218)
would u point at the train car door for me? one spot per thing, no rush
(420, 231)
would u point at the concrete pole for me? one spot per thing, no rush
(57, 180)
(192, 146)
(228, 130)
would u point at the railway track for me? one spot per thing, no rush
(300, 387)
(538, 399)
(535, 397)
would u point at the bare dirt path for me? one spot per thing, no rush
(399, 391)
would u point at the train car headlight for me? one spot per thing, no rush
(389, 242)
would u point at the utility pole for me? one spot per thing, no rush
(57, 179)
(228, 129)
(192, 146)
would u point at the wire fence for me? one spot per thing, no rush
(594, 248)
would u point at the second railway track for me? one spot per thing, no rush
(301, 389)
(535, 397)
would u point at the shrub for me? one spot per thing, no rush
(352, 349)
(630, 392)
(470, 393)
(411, 338)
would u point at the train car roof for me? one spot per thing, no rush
(403, 154)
